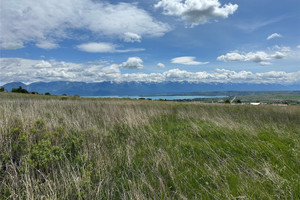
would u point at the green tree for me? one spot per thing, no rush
(227, 101)
(19, 90)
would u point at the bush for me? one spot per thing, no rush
(39, 149)
(47, 93)
(64, 98)
(43, 154)
(227, 101)
(2, 89)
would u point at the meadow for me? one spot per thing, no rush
(77, 148)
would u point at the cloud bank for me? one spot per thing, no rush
(260, 57)
(31, 21)
(196, 12)
(28, 71)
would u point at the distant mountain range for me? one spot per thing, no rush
(141, 88)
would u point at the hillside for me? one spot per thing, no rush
(74, 148)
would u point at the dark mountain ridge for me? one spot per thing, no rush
(142, 88)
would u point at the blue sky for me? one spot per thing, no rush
(150, 40)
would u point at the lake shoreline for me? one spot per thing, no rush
(169, 98)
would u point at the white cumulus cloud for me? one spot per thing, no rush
(196, 11)
(278, 55)
(260, 57)
(132, 37)
(31, 21)
(187, 60)
(133, 63)
(274, 35)
(161, 65)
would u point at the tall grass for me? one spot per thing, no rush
(54, 148)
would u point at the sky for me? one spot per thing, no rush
(236, 41)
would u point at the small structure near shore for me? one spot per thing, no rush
(255, 104)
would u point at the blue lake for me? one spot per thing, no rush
(163, 97)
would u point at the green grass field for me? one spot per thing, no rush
(267, 97)
(74, 148)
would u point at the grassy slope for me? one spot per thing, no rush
(270, 97)
(129, 149)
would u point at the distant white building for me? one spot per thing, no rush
(255, 104)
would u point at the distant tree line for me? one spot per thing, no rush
(21, 90)
(24, 91)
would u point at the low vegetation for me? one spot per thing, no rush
(246, 97)
(76, 148)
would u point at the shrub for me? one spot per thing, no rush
(43, 154)
(2, 89)
(18, 148)
(73, 144)
(47, 93)
(63, 98)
